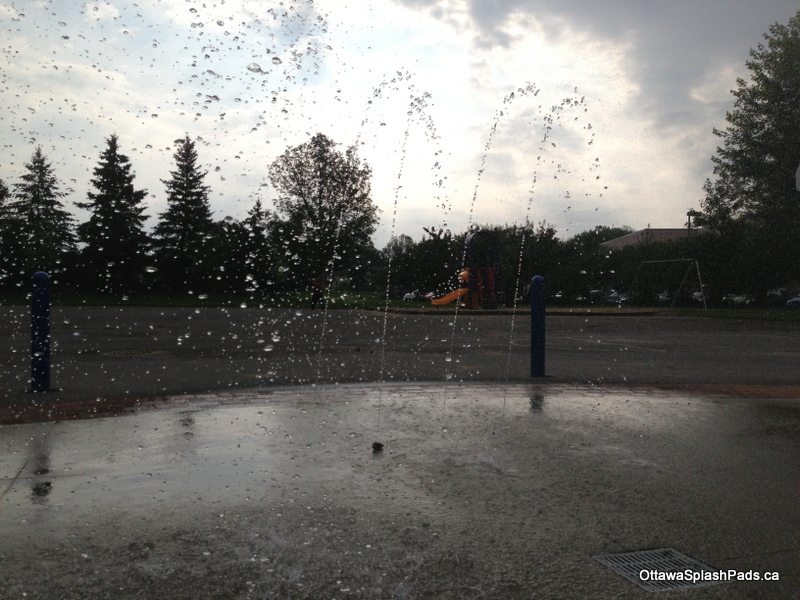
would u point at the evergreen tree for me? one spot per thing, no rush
(225, 257)
(7, 237)
(4, 197)
(114, 236)
(44, 229)
(185, 228)
(258, 257)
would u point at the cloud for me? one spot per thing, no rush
(8, 11)
(674, 46)
(99, 11)
(79, 75)
(655, 80)
(657, 76)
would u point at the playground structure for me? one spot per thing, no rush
(663, 282)
(477, 277)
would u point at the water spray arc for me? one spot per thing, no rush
(417, 111)
(549, 119)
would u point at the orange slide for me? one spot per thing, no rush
(451, 297)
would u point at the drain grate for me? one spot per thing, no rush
(665, 569)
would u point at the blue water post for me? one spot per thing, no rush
(40, 333)
(537, 326)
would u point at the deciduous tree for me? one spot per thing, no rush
(754, 168)
(324, 198)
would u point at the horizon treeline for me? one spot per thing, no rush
(187, 249)
(322, 231)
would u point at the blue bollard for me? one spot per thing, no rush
(40, 333)
(537, 326)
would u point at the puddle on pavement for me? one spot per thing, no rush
(275, 446)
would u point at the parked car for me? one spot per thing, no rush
(777, 293)
(793, 302)
(617, 298)
(778, 296)
(738, 299)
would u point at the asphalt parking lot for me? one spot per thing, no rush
(138, 352)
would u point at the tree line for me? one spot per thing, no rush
(733, 261)
(324, 221)
(322, 230)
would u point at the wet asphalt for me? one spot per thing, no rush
(482, 489)
(139, 352)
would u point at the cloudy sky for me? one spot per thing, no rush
(482, 111)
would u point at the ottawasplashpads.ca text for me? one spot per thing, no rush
(689, 575)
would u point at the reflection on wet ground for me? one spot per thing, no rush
(478, 491)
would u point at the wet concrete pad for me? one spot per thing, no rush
(480, 491)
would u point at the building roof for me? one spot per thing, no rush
(649, 235)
